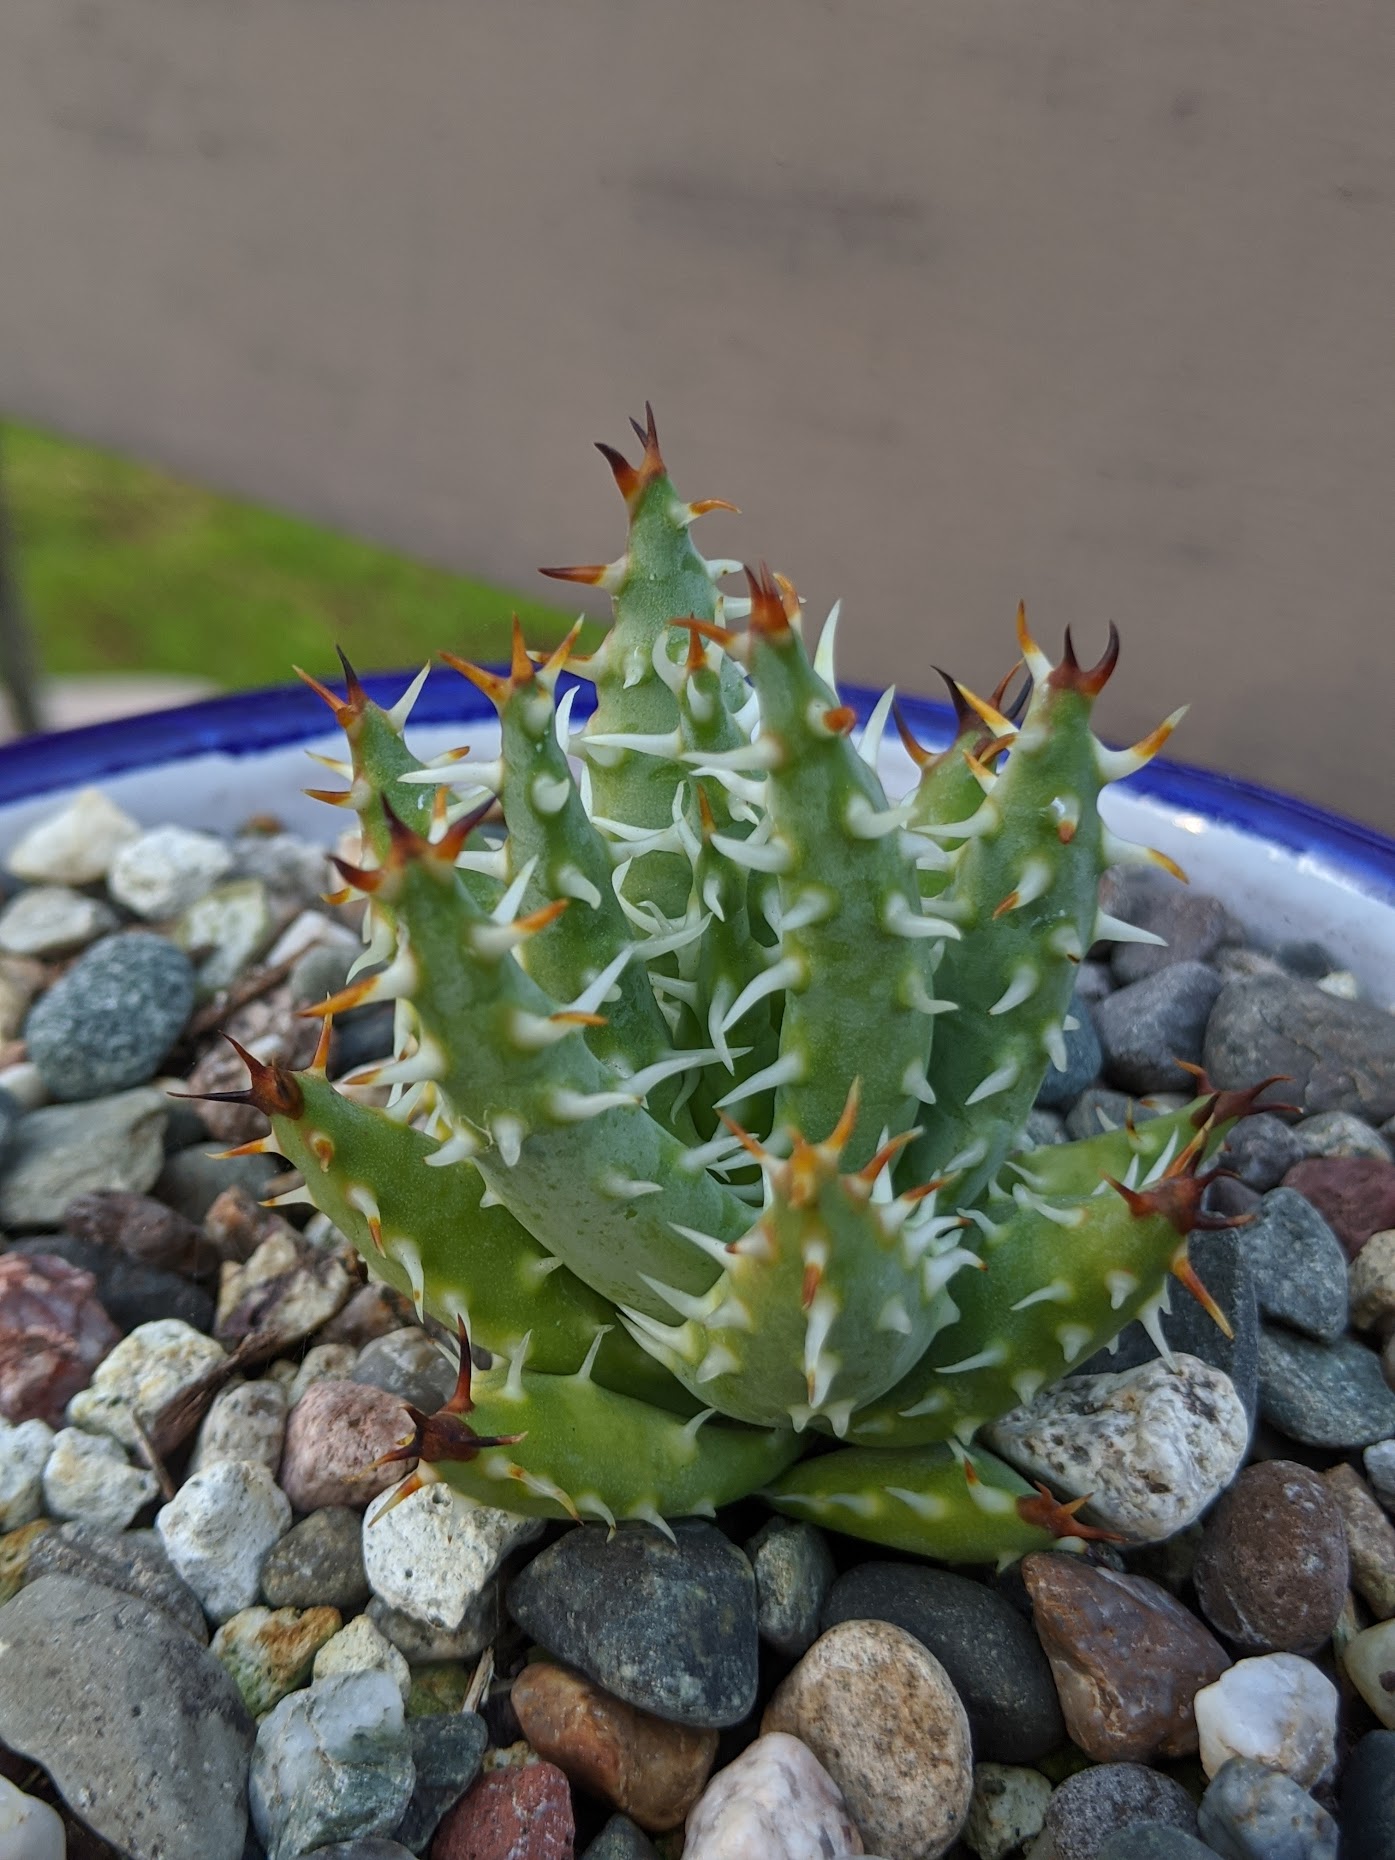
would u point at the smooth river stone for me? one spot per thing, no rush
(1278, 1710)
(775, 1802)
(1127, 1658)
(1271, 1570)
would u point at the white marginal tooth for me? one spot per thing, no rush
(549, 793)
(1034, 881)
(1074, 1339)
(902, 918)
(641, 1083)
(595, 992)
(786, 1070)
(788, 973)
(709, 1155)
(720, 565)
(767, 856)
(895, 1317)
(562, 718)
(531, 1033)
(1114, 930)
(575, 1107)
(486, 776)
(916, 995)
(507, 1133)
(1054, 1040)
(827, 646)
(404, 706)
(1065, 941)
(866, 822)
(507, 908)
(490, 864)
(991, 1358)
(712, 896)
(1114, 764)
(619, 1187)
(572, 882)
(1058, 1292)
(1019, 989)
(719, 1361)
(589, 1361)
(689, 1306)
(915, 1084)
(456, 1149)
(871, 742)
(714, 1248)
(1001, 1078)
(665, 743)
(513, 1382)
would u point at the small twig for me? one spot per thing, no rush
(250, 988)
(480, 1681)
(151, 1457)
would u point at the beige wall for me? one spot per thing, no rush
(959, 299)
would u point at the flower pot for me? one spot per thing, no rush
(1286, 868)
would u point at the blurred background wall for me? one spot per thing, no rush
(960, 300)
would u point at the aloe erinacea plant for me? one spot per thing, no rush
(712, 1066)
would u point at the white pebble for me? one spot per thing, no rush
(146, 1369)
(217, 1530)
(88, 1477)
(245, 1422)
(1278, 1710)
(50, 920)
(29, 1828)
(432, 1555)
(360, 1648)
(23, 1451)
(75, 846)
(1370, 1662)
(24, 1082)
(1153, 1446)
(775, 1802)
(166, 870)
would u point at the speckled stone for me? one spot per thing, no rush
(433, 1553)
(1253, 1813)
(1369, 1660)
(52, 920)
(408, 1364)
(1145, 1028)
(1370, 1539)
(1299, 1268)
(146, 1370)
(794, 1572)
(132, 1562)
(245, 1422)
(331, 1762)
(668, 1625)
(775, 1802)
(511, 1813)
(88, 1476)
(361, 1648)
(1126, 1656)
(1335, 1055)
(1271, 1570)
(446, 1752)
(1093, 1804)
(217, 1530)
(63, 1150)
(879, 1712)
(1261, 1150)
(107, 1023)
(424, 1645)
(319, 1560)
(335, 1432)
(1325, 1395)
(23, 1451)
(1008, 1809)
(74, 845)
(1371, 1281)
(1278, 1710)
(1379, 1461)
(994, 1660)
(269, 1652)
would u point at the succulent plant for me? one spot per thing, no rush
(705, 1124)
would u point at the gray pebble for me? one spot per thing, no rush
(193, 1179)
(1306, 958)
(1093, 982)
(1261, 1150)
(1194, 926)
(1100, 1107)
(1042, 1126)
(138, 1725)
(620, 1839)
(794, 1572)
(1059, 1090)
(447, 1749)
(319, 1562)
(1339, 1133)
(63, 1150)
(420, 1644)
(666, 1624)
(1299, 1267)
(1326, 1395)
(52, 920)
(132, 1562)
(1251, 1812)
(1152, 1840)
(1338, 1055)
(1095, 1803)
(407, 1363)
(108, 1022)
(1145, 1028)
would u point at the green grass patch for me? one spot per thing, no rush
(123, 568)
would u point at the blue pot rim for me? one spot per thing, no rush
(279, 716)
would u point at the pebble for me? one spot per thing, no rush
(1369, 1660)
(1368, 1799)
(21, 978)
(1325, 1395)
(1299, 1268)
(794, 1571)
(1095, 1803)
(879, 1712)
(133, 1562)
(1194, 926)
(225, 931)
(361, 1648)
(650, 1768)
(107, 1023)
(446, 1752)
(1371, 1282)
(407, 1363)
(137, 1725)
(1379, 1461)
(1152, 1447)
(74, 846)
(444, 1687)
(321, 970)
(332, 1763)
(268, 1652)
(1126, 1656)
(1338, 1133)
(1278, 1710)
(129, 1293)
(16, 1549)
(620, 1839)
(192, 1179)
(775, 1802)
(433, 1554)
(423, 1645)
(285, 1291)
(246, 1421)
(1041, 1127)
(1151, 1840)
(145, 1371)
(1060, 1089)
(1261, 1150)
(368, 1847)
(368, 1315)
(1008, 1809)
(1145, 1028)
(297, 869)
(88, 1476)
(334, 1433)
(994, 1659)
(1356, 1194)
(23, 1452)
(307, 932)
(322, 1362)
(1271, 1571)
(1370, 1539)
(217, 1530)
(1100, 1108)
(142, 1230)
(51, 920)
(63, 1150)
(318, 1560)
(53, 1334)
(512, 1813)
(1336, 1055)
(29, 1828)
(668, 1624)
(163, 870)
(1253, 1813)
